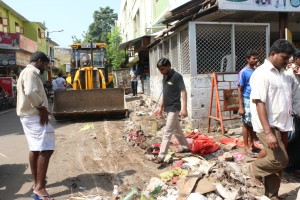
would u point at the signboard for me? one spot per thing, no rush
(261, 5)
(22, 59)
(9, 40)
(7, 85)
(28, 44)
(231, 100)
(86, 46)
(7, 58)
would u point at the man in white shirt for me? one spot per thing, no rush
(293, 73)
(271, 109)
(60, 82)
(32, 107)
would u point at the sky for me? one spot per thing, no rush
(72, 16)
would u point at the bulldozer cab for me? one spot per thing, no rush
(88, 62)
(88, 55)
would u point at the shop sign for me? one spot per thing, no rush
(7, 58)
(9, 40)
(261, 5)
(7, 85)
(28, 44)
(22, 59)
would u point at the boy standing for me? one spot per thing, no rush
(244, 91)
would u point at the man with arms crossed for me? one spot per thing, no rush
(271, 110)
(32, 107)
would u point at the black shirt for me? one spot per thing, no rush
(172, 86)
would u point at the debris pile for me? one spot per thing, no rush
(189, 176)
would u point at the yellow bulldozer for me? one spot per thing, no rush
(92, 93)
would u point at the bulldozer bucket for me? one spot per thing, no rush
(96, 103)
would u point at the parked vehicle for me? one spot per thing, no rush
(90, 95)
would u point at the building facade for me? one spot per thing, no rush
(19, 39)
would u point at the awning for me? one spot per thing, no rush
(139, 42)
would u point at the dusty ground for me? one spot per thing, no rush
(92, 156)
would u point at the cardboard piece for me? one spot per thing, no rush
(205, 186)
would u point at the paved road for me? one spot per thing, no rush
(15, 176)
(13, 154)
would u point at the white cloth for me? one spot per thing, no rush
(133, 75)
(295, 84)
(54, 85)
(39, 138)
(272, 88)
(30, 92)
(60, 83)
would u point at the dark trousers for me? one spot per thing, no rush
(134, 87)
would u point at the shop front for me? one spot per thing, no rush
(15, 53)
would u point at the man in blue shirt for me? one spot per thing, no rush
(244, 91)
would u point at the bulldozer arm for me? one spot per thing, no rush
(96, 103)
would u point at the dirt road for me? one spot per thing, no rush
(90, 158)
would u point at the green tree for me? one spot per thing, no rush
(104, 20)
(115, 58)
(76, 39)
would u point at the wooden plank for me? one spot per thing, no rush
(186, 186)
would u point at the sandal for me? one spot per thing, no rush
(183, 151)
(42, 197)
(250, 154)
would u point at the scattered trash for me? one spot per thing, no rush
(3, 155)
(87, 127)
(131, 194)
(238, 156)
(196, 196)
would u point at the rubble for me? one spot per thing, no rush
(211, 171)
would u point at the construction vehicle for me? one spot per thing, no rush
(90, 95)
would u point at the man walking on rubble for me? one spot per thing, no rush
(32, 107)
(173, 90)
(244, 91)
(271, 110)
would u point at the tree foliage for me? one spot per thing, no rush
(76, 39)
(104, 20)
(115, 58)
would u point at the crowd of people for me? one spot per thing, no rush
(269, 102)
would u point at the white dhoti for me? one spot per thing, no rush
(39, 138)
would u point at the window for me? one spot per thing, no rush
(41, 34)
(17, 27)
(3, 24)
(5, 21)
(5, 29)
(21, 30)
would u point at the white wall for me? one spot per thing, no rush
(127, 15)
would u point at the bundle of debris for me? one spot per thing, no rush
(190, 176)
